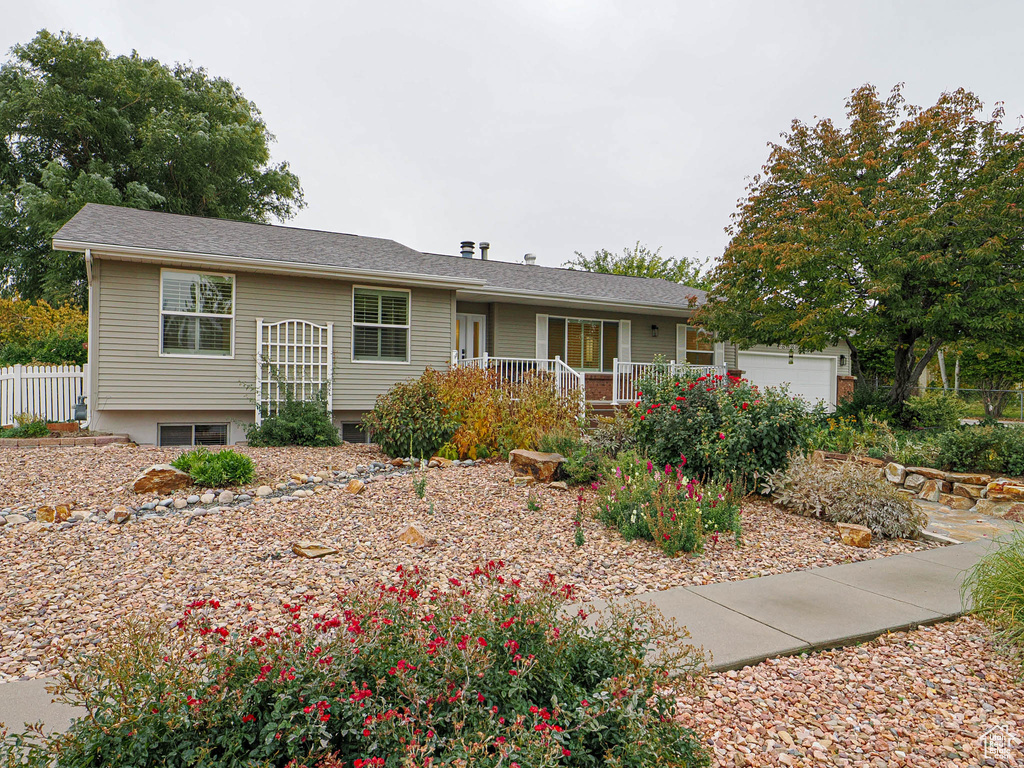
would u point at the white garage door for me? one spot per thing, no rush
(812, 378)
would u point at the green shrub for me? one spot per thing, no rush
(724, 429)
(848, 492)
(487, 674)
(410, 419)
(296, 422)
(995, 586)
(920, 451)
(665, 505)
(935, 410)
(210, 470)
(973, 448)
(27, 426)
(560, 441)
(866, 401)
(582, 463)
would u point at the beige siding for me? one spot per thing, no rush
(515, 332)
(132, 375)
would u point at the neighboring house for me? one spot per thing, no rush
(186, 316)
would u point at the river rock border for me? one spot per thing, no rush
(976, 492)
(299, 486)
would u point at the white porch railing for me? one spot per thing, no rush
(296, 355)
(510, 370)
(47, 391)
(627, 375)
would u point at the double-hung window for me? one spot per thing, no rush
(380, 325)
(698, 346)
(197, 314)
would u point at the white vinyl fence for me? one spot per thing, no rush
(46, 391)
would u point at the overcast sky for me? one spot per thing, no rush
(548, 126)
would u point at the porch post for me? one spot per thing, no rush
(615, 381)
(558, 375)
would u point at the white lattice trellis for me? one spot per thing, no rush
(296, 354)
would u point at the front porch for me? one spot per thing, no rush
(602, 390)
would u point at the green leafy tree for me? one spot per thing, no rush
(904, 228)
(995, 370)
(79, 125)
(641, 261)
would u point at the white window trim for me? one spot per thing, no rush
(681, 358)
(565, 340)
(161, 313)
(407, 327)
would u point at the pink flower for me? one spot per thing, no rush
(721, 435)
(650, 465)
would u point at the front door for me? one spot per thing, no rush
(470, 335)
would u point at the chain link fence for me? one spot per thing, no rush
(1002, 404)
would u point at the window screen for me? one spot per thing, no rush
(353, 432)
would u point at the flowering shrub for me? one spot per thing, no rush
(40, 333)
(485, 673)
(725, 426)
(665, 505)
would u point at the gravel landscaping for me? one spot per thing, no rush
(921, 698)
(64, 587)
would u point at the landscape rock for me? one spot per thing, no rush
(895, 473)
(1003, 489)
(208, 498)
(16, 519)
(225, 497)
(264, 490)
(559, 486)
(299, 478)
(45, 514)
(440, 461)
(927, 472)
(161, 478)
(968, 477)
(524, 481)
(956, 502)
(914, 482)
(855, 535)
(541, 466)
(1013, 510)
(312, 549)
(193, 499)
(415, 535)
(871, 462)
(355, 486)
(180, 503)
(968, 490)
(119, 514)
(36, 526)
(932, 490)
(398, 462)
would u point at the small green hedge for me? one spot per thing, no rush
(209, 470)
(998, 449)
(296, 422)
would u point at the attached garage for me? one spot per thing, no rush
(812, 377)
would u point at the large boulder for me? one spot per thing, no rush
(855, 535)
(1005, 490)
(542, 467)
(913, 482)
(969, 490)
(895, 473)
(161, 478)
(932, 490)
(968, 477)
(1011, 510)
(928, 472)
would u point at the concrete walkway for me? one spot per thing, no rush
(743, 622)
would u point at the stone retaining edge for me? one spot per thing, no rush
(61, 442)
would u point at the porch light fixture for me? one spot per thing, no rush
(791, 357)
(842, 361)
(654, 331)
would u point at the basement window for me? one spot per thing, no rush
(193, 434)
(353, 432)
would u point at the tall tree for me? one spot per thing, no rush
(641, 261)
(79, 125)
(904, 228)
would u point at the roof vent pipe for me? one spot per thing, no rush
(484, 246)
(467, 249)
(530, 259)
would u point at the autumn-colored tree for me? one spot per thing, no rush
(39, 333)
(904, 228)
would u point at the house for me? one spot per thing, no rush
(192, 321)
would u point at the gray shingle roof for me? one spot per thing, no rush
(98, 225)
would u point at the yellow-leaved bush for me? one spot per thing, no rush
(42, 333)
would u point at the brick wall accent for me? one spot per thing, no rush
(599, 386)
(844, 388)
